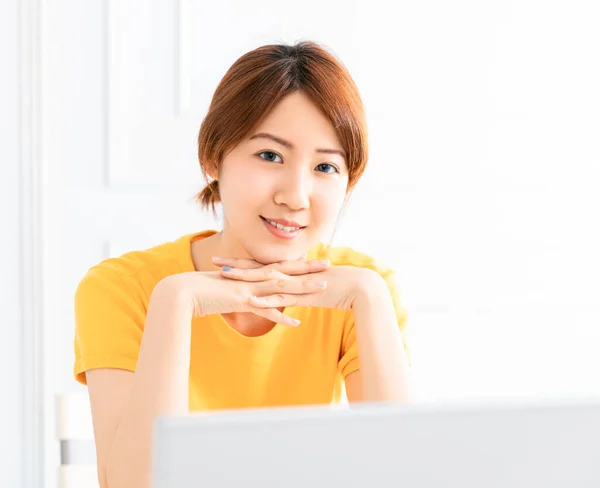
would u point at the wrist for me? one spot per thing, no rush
(197, 292)
(370, 288)
(173, 290)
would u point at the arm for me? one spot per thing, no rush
(125, 404)
(384, 368)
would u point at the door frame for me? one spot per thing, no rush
(36, 426)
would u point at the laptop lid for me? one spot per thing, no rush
(419, 446)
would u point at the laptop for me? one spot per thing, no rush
(546, 444)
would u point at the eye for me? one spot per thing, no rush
(327, 168)
(270, 155)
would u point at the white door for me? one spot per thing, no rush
(126, 85)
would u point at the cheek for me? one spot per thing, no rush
(243, 187)
(326, 204)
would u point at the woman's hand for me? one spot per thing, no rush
(213, 293)
(341, 284)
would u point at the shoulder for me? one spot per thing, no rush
(348, 256)
(137, 272)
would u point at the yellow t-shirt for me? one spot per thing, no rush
(286, 366)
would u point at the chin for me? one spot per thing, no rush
(275, 254)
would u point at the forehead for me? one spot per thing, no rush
(297, 119)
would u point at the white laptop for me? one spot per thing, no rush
(554, 444)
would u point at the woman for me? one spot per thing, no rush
(261, 313)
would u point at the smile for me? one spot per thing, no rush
(280, 230)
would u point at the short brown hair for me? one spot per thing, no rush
(257, 81)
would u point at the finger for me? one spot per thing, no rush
(236, 262)
(277, 300)
(290, 286)
(299, 267)
(257, 274)
(275, 315)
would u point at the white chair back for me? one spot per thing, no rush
(76, 437)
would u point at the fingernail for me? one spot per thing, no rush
(325, 262)
(257, 299)
(226, 268)
(295, 321)
(319, 284)
(217, 259)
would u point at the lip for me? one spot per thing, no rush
(280, 233)
(287, 223)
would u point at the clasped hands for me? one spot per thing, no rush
(266, 289)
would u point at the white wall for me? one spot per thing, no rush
(11, 457)
(481, 190)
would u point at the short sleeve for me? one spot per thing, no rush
(109, 322)
(349, 361)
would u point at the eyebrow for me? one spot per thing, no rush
(289, 145)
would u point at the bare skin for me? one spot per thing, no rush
(248, 324)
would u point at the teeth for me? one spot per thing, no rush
(283, 227)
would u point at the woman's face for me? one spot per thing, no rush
(282, 188)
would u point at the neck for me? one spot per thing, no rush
(220, 244)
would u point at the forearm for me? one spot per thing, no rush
(384, 363)
(160, 386)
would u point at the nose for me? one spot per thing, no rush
(293, 189)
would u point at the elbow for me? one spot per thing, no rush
(101, 474)
(125, 472)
